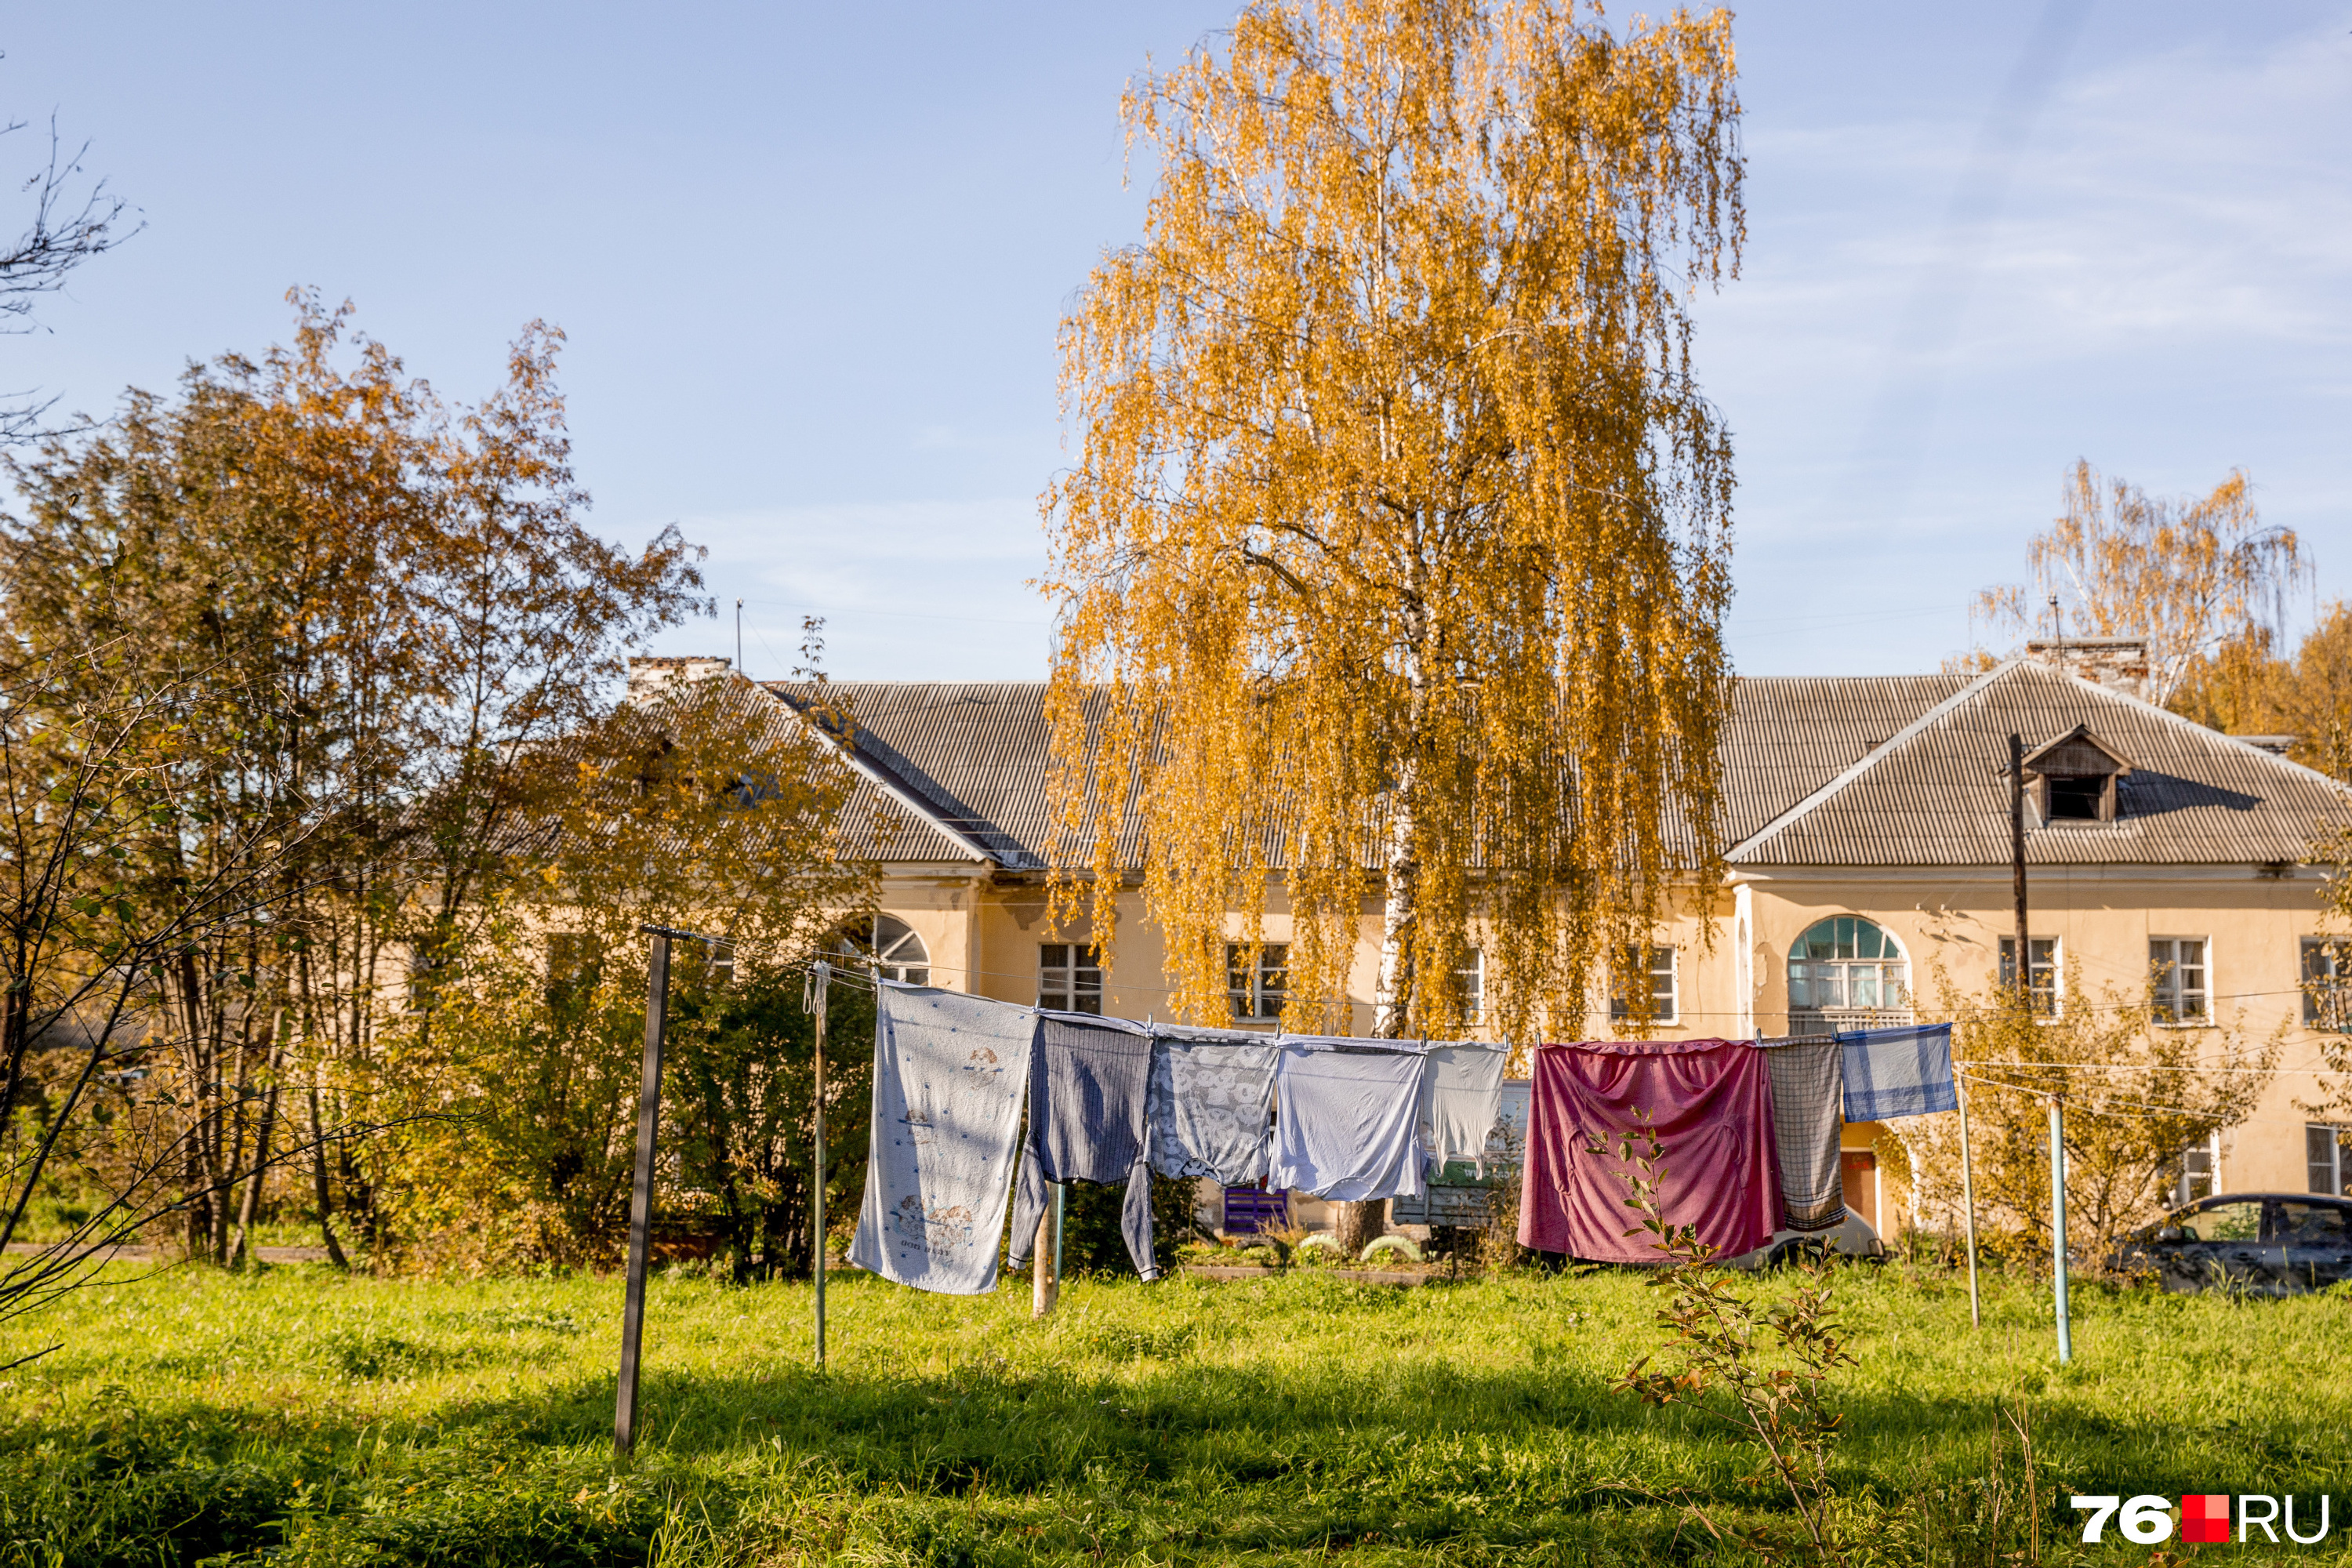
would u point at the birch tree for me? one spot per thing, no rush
(1395, 546)
(2188, 574)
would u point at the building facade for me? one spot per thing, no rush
(1869, 820)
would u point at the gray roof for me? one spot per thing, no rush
(1936, 793)
(1832, 770)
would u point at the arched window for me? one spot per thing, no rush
(1846, 964)
(890, 944)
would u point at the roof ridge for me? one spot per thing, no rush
(1867, 760)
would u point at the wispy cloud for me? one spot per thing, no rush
(909, 590)
(2165, 287)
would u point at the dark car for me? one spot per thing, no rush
(2275, 1244)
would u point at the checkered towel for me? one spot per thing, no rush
(1807, 1087)
(1898, 1072)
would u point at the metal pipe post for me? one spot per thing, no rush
(1969, 1205)
(824, 973)
(1045, 1280)
(641, 1200)
(2058, 1221)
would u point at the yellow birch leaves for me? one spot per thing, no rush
(1396, 541)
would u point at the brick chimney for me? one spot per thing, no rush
(2119, 664)
(650, 677)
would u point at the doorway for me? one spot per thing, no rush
(1858, 1172)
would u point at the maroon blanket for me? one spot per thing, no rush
(1710, 1103)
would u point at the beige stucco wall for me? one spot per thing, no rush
(1951, 926)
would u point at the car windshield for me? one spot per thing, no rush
(2224, 1222)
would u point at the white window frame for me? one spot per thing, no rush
(2172, 1015)
(2183, 1177)
(2055, 997)
(1896, 955)
(2327, 989)
(2336, 1161)
(1064, 968)
(1470, 986)
(1252, 1000)
(1666, 1001)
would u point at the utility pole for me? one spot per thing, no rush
(2017, 864)
(738, 651)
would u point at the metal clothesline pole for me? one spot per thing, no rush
(1968, 1203)
(822, 974)
(2058, 1221)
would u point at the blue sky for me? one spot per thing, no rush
(811, 260)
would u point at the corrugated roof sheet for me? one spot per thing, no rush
(971, 757)
(1939, 794)
(1906, 770)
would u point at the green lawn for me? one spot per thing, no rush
(302, 1418)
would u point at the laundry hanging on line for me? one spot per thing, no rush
(1898, 1072)
(1808, 1087)
(1212, 1103)
(1748, 1136)
(1709, 1105)
(1347, 1119)
(1461, 1101)
(1089, 1080)
(951, 1071)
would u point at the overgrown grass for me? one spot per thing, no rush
(300, 1417)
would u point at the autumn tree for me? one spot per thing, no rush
(1395, 549)
(2137, 1089)
(69, 224)
(708, 806)
(2190, 575)
(379, 606)
(95, 758)
(2247, 687)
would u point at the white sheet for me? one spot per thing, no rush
(949, 1074)
(1461, 1098)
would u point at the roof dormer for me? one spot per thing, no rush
(2073, 778)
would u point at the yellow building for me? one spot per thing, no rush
(1869, 820)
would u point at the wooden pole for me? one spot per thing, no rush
(2017, 866)
(1969, 1207)
(641, 1199)
(641, 1193)
(824, 973)
(2058, 1221)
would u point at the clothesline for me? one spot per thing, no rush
(2141, 1067)
(1943, 1016)
(858, 977)
(2100, 1107)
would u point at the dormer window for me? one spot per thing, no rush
(2077, 799)
(2075, 778)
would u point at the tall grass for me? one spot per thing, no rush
(300, 1417)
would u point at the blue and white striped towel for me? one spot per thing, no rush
(1898, 1072)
